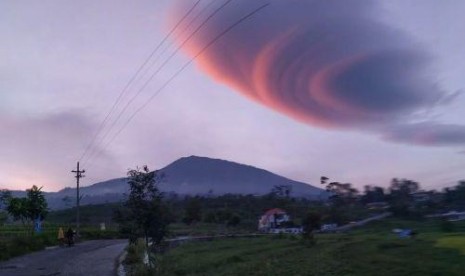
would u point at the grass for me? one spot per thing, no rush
(374, 250)
(16, 239)
(205, 229)
(454, 242)
(16, 246)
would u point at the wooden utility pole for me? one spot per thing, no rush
(79, 175)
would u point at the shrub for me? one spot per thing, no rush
(447, 226)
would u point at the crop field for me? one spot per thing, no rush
(374, 250)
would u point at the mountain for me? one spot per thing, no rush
(192, 176)
(199, 175)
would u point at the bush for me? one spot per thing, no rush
(134, 260)
(447, 226)
(24, 244)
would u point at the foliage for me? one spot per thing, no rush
(234, 220)
(36, 203)
(143, 215)
(282, 191)
(373, 194)
(310, 223)
(193, 211)
(5, 197)
(21, 245)
(401, 196)
(3, 217)
(26, 209)
(454, 197)
(17, 208)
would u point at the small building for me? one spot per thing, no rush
(329, 227)
(273, 218)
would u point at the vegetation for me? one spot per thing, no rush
(18, 245)
(143, 214)
(310, 224)
(373, 250)
(26, 209)
(135, 261)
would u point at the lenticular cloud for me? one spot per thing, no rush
(327, 63)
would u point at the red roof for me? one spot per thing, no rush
(274, 211)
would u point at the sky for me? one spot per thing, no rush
(358, 91)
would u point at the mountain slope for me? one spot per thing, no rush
(191, 176)
(199, 175)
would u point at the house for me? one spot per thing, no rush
(272, 219)
(277, 221)
(329, 227)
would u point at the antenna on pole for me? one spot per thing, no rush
(79, 175)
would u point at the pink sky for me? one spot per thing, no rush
(273, 93)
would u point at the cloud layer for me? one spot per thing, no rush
(325, 63)
(41, 149)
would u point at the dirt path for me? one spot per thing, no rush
(86, 258)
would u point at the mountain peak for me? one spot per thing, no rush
(197, 175)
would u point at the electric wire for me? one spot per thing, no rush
(159, 69)
(213, 41)
(132, 79)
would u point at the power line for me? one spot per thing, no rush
(191, 23)
(159, 69)
(132, 79)
(213, 41)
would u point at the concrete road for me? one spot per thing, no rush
(86, 258)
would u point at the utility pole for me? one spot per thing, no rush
(79, 175)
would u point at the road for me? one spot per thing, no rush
(362, 222)
(86, 258)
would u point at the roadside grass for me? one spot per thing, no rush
(372, 250)
(20, 245)
(17, 240)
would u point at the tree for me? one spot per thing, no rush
(27, 209)
(310, 223)
(282, 191)
(36, 204)
(455, 197)
(401, 196)
(323, 180)
(144, 215)
(341, 193)
(17, 208)
(234, 220)
(193, 211)
(5, 197)
(373, 194)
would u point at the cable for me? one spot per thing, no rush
(160, 68)
(132, 79)
(191, 23)
(213, 41)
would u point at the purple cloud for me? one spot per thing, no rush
(325, 63)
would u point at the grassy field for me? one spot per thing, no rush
(370, 251)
